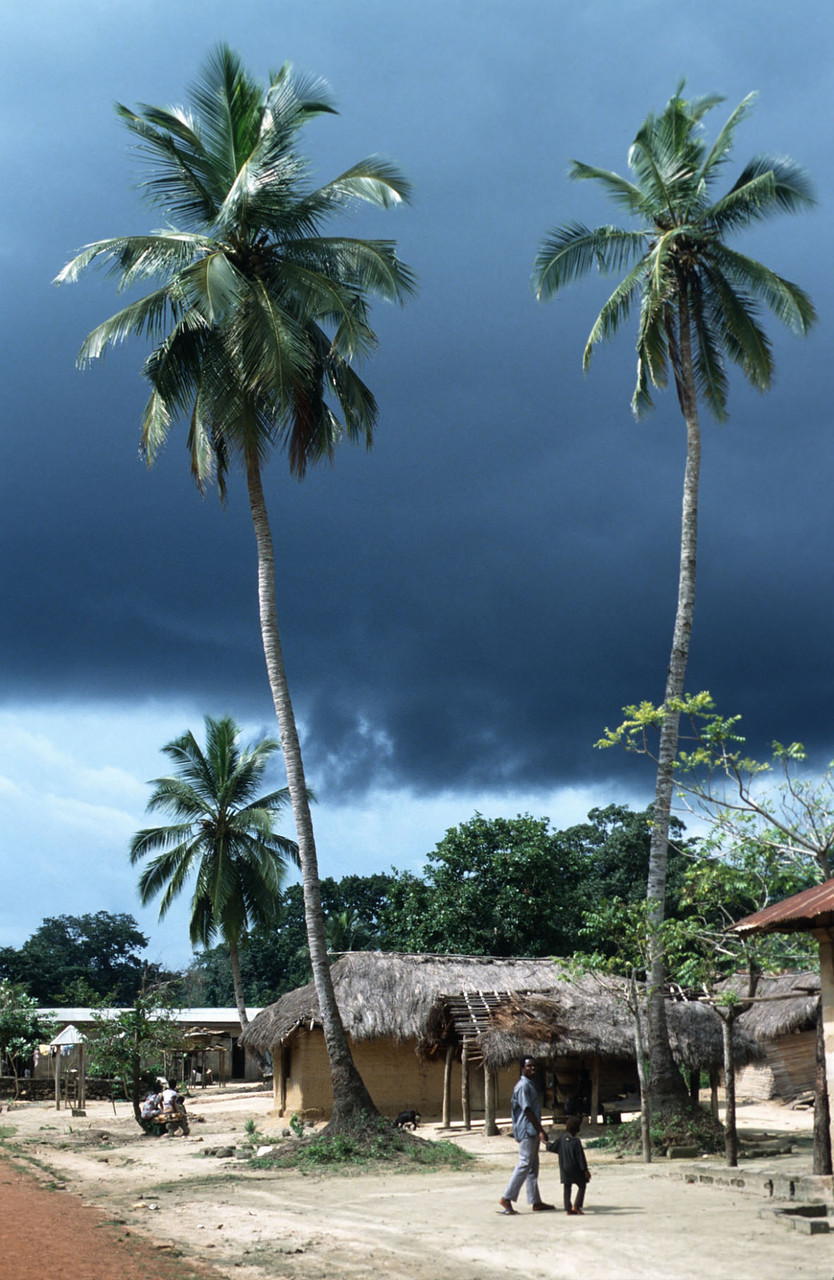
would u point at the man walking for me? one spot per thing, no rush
(528, 1133)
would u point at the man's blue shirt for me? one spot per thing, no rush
(525, 1095)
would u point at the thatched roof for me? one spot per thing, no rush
(382, 993)
(509, 1007)
(801, 913)
(786, 1002)
(582, 1019)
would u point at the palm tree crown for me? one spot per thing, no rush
(678, 263)
(257, 315)
(223, 836)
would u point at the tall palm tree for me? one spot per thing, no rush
(255, 322)
(224, 835)
(700, 304)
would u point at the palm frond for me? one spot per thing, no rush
(652, 351)
(132, 258)
(733, 316)
(147, 317)
(720, 150)
(180, 172)
(616, 310)
(373, 180)
(788, 302)
(793, 190)
(569, 252)
(621, 190)
(371, 267)
(710, 342)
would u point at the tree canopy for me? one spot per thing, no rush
(81, 959)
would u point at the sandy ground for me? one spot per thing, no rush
(640, 1220)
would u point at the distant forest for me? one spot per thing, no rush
(502, 887)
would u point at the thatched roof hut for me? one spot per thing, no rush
(393, 995)
(785, 1003)
(782, 1018)
(809, 912)
(581, 1019)
(409, 1017)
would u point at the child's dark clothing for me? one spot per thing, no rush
(573, 1168)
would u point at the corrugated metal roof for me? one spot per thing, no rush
(811, 909)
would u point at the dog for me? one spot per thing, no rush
(407, 1120)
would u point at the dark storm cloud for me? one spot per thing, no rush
(472, 602)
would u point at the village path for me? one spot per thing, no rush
(241, 1224)
(46, 1230)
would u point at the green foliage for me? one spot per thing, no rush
(492, 887)
(718, 887)
(22, 1029)
(224, 834)
(81, 960)
(253, 1134)
(787, 822)
(691, 1126)
(680, 273)
(275, 958)
(296, 1123)
(255, 316)
(131, 1044)
(515, 887)
(372, 1144)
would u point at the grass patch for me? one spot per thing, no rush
(375, 1145)
(690, 1127)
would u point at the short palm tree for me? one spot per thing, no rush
(255, 322)
(700, 304)
(223, 838)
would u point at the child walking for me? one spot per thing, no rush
(573, 1167)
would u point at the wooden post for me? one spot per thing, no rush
(825, 938)
(594, 1089)
(279, 1080)
(446, 1119)
(57, 1077)
(490, 1127)
(82, 1079)
(714, 1077)
(464, 1086)
(822, 1107)
(694, 1087)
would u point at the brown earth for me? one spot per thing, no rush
(142, 1208)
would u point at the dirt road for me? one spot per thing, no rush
(411, 1226)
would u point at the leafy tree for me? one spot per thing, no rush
(699, 308)
(475, 894)
(224, 837)
(501, 886)
(791, 821)
(132, 1045)
(615, 844)
(256, 323)
(97, 954)
(22, 1028)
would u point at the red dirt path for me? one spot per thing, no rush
(45, 1232)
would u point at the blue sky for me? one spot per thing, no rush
(465, 608)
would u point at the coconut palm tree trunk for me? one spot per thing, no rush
(350, 1096)
(667, 1084)
(237, 983)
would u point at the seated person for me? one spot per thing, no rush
(151, 1106)
(169, 1098)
